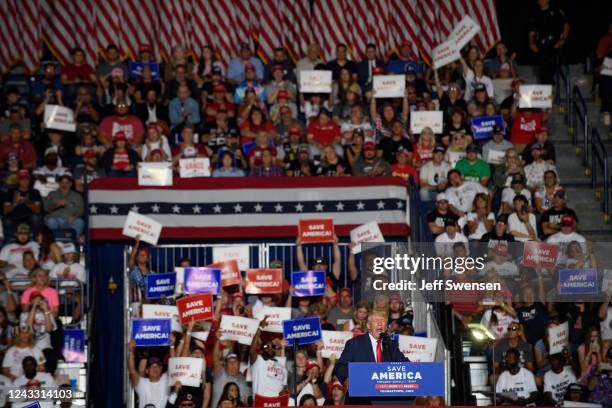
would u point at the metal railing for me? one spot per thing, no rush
(563, 96)
(580, 116)
(599, 162)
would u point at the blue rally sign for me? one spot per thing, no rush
(395, 379)
(308, 283)
(33, 405)
(202, 280)
(305, 331)
(136, 69)
(482, 126)
(578, 281)
(160, 284)
(151, 332)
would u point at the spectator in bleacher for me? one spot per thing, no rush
(551, 218)
(237, 67)
(280, 90)
(474, 77)
(436, 219)
(403, 166)
(342, 61)
(343, 310)
(267, 168)
(600, 384)
(183, 109)
(18, 145)
(264, 360)
(472, 168)
(310, 61)
(152, 388)
(151, 109)
(48, 82)
(389, 146)
(69, 267)
(516, 385)
(144, 82)
(499, 235)
(365, 68)
(433, 175)
(532, 315)
(591, 353)
(456, 149)
(346, 101)
(510, 168)
(138, 265)
(332, 164)
(302, 165)
(40, 283)
(544, 197)
(461, 193)
(23, 347)
(404, 59)
(547, 147)
(155, 140)
(88, 171)
(111, 62)
(32, 380)
(22, 204)
(494, 150)
(526, 123)
(565, 236)
(557, 380)
(370, 164)
(480, 220)
(226, 166)
(8, 177)
(220, 102)
(181, 78)
(16, 117)
(121, 122)
(517, 187)
(227, 370)
(64, 207)
(84, 109)
(49, 173)
(446, 241)
(14, 100)
(78, 71)
(119, 161)
(50, 251)
(383, 122)
(513, 340)
(41, 323)
(522, 223)
(424, 147)
(534, 172)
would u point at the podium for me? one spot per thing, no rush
(395, 380)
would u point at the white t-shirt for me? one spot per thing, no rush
(433, 174)
(155, 393)
(76, 271)
(462, 197)
(563, 240)
(161, 144)
(13, 253)
(444, 243)
(15, 355)
(534, 173)
(606, 325)
(470, 82)
(500, 328)
(515, 224)
(508, 195)
(46, 382)
(556, 384)
(269, 376)
(42, 338)
(504, 269)
(480, 229)
(5, 383)
(522, 383)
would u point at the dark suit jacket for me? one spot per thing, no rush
(363, 70)
(359, 350)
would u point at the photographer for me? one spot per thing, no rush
(41, 322)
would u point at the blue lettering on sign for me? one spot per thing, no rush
(395, 379)
(578, 281)
(160, 284)
(151, 332)
(308, 283)
(305, 331)
(482, 126)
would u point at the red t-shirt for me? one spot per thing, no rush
(257, 153)
(524, 129)
(323, 134)
(74, 71)
(422, 154)
(247, 125)
(228, 106)
(121, 159)
(24, 150)
(405, 170)
(129, 124)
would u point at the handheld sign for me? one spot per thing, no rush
(74, 346)
(482, 126)
(315, 81)
(422, 119)
(151, 332)
(271, 402)
(160, 284)
(154, 174)
(264, 281)
(334, 342)
(395, 379)
(151, 311)
(137, 224)
(187, 370)
(369, 232)
(136, 68)
(196, 167)
(195, 307)
(276, 316)
(238, 252)
(540, 254)
(36, 405)
(464, 32)
(558, 337)
(238, 328)
(59, 117)
(445, 53)
(308, 283)
(316, 230)
(230, 272)
(202, 280)
(389, 86)
(305, 331)
(535, 96)
(578, 281)
(418, 349)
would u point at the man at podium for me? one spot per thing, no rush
(374, 346)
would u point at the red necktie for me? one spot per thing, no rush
(378, 351)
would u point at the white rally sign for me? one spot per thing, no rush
(422, 119)
(187, 370)
(155, 174)
(151, 311)
(59, 117)
(535, 96)
(316, 81)
(445, 53)
(137, 224)
(389, 86)
(464, 32)
(558, 338)
(238, 252)
(276, 315)
(197, 167)
(334, 342)
(418, 349)
(369, 232)
(240, 329)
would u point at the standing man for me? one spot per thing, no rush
(547, 37)
(365, 68)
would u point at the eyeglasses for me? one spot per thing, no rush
(513, 328)
(187, 405)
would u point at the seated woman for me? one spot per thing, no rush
(23, 346)
(40, 283)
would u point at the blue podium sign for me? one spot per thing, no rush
(395, 379)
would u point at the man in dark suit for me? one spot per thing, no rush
(375, 346)
(365, 68)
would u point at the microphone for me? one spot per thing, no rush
(385, 339)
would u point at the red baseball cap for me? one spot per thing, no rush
(89, 154)
(568, 220)
(369, 145)
(311, 364)
(23, 173)
(145, 48)
(295, 130)
(249, 66)
(283, 94)
(237, 295)
(219, 88)
(119, 136)
(347, 290)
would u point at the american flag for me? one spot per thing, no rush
(248, 207)
(297, 32)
